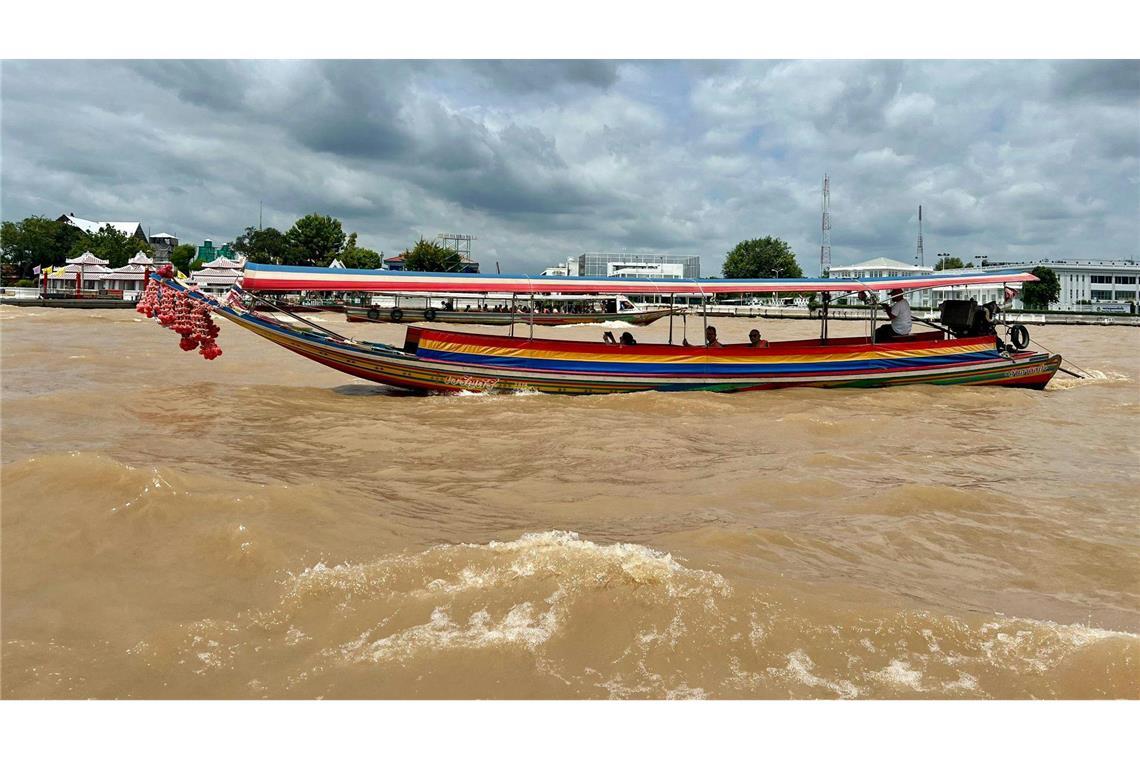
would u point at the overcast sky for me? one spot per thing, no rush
(540, 160)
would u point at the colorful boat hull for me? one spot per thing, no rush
(446, 361)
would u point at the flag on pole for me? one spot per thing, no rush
(179, 276)
(37, 270)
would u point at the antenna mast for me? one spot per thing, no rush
(825, 230)
(918, 257)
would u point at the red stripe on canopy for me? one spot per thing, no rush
(270, 278)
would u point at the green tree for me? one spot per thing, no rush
(110, 244)
(265, 246)
(36, 241)
(1047, 290)
(181, 255)
(355, 257)
(428, 256)
(314, 240)
(763, 257)
(949, 262)
(360, 258)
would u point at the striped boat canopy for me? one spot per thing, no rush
(268, 277)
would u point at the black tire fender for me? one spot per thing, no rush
(1019, 336)
(374, 314)
(429, 314)
(396, 314)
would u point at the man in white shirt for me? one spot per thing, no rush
(899, 312)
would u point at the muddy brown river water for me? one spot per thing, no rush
(262, 526)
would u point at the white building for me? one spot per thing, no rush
(633, 265)
(569, 269)
(1085, 285)
(219, 275)
(85, 271)
(130, 229)
(883, 267)
(130, 278)
(95, 275)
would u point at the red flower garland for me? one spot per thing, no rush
(173, 310)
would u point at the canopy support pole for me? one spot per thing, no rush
(672, 300)
(512, 333)
(532, 316)
(301, 319)
(874, 317)
(704, 315)
(826, 297)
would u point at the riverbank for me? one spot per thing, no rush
(69, 303)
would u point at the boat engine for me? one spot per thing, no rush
(966, 319)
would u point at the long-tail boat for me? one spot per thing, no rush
(965, 350)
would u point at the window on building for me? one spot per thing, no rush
(1102, 279)
(1125, 280)
(1101, 295)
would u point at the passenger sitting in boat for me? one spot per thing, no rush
(754, 339)
(899, 311)
(710, 339)
(627, 339)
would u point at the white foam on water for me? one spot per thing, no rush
(639, 564)
(1040, 644)
(799, 668)
(965, 682)
(900, 673)
(520, 626)
(1063, 382)
(295, 636)
(513, 595)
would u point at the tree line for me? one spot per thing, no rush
(316, 239)
(313, 240)
(39, 241)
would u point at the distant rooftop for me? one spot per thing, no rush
(130, 229)
(882, 262)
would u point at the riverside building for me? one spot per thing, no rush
(1096, 286)
(633, 265)
(130, 229)
(883, 267)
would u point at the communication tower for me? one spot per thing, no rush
(825, 230)
(918, 257)
(461, 244)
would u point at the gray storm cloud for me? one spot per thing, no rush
(544, 159)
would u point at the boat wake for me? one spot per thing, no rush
(553, 614)
(1063, 382)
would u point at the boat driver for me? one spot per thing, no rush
(899, 312)
(754, 340)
